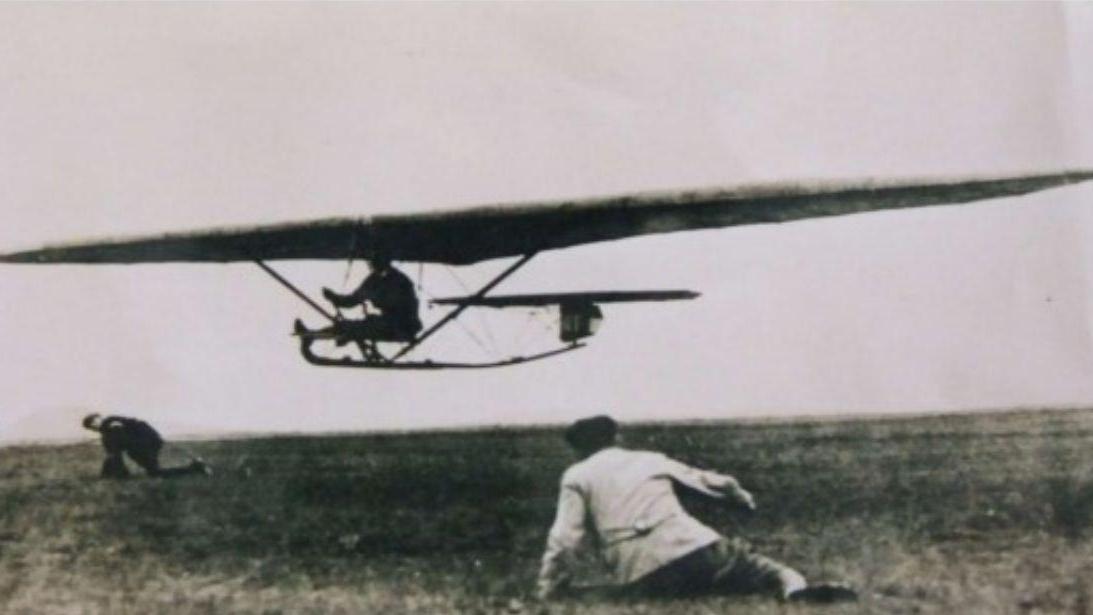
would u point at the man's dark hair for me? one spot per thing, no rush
(590, 435)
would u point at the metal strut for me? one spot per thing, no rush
(296, 291)
(459, 309)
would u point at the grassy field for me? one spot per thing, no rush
(974, 514)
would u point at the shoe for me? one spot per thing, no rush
(823, 593)
(298, 327)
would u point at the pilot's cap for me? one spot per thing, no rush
(591, 434)
(379, 260)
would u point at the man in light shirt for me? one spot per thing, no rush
(653, 547)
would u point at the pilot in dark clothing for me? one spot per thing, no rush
(141, 442)
(392, 294)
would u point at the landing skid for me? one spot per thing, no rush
(314, 359)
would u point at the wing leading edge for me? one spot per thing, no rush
(471, 235)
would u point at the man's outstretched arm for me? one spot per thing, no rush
(564, 539)
(710, 483)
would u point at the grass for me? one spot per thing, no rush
(975, 514)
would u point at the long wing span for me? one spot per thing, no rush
(541, 300)
(467, 236)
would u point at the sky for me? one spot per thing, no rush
(124, 119)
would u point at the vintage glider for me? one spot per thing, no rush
(466, 236)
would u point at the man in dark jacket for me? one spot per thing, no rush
(141, 442)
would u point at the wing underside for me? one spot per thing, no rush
(467, 236)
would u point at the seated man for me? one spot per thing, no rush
(390, 292)
(141, 442)
(652, 545)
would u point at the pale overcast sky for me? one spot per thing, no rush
(121, 119)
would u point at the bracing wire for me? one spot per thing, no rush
(485, 328)
(478, 341)
(348, 272)
(349, 261)
(535, 316)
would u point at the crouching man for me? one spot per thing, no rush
(133, 437)
(652, 546)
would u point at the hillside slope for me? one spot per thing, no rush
(976, 514)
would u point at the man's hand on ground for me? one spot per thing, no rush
(747, 500)
(545, 591)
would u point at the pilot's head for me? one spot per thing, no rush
(587, 436)
(379, 261)
(92, 421)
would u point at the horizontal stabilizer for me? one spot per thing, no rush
(542, 300)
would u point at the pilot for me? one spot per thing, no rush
(391, 293)
(625, 498)
(141, 442)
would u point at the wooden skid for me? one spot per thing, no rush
(314, 359)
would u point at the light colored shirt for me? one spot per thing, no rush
(626, 498)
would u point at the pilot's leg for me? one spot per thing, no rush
(345, 331)
(364, 333)
(369, 328)
(299, 329)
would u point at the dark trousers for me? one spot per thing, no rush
(114, 467)
(724, 567)
(376, 328)
(148, 459)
